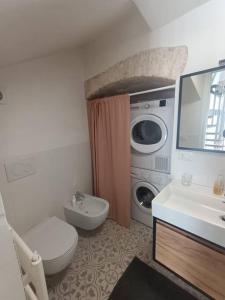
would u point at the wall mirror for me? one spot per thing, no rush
(201, 117)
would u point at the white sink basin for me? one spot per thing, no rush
(194, 209)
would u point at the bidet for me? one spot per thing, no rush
(88, 213)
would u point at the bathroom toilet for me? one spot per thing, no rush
(87, 214)
(55, 241)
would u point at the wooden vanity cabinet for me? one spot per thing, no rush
(199, 262)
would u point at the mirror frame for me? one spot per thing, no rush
(179, 110)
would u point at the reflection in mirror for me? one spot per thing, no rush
(201, 124)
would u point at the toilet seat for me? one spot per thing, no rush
(55, 241)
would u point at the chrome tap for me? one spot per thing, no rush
(79, 198)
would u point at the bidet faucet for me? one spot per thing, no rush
(79, 196)
(80, 199)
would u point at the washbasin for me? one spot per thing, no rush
(195, 209)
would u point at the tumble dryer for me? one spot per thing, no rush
(151, 134)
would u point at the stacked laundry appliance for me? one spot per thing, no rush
(151, 133)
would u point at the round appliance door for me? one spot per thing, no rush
(148, 133)
(143, 194)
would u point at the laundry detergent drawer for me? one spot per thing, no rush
(200, 263)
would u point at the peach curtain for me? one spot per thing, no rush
(109, 126)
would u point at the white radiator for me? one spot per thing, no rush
(32, 270)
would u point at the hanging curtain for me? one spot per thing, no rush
(109, 125)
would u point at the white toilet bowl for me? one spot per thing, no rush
(55, 241)
(91, 214)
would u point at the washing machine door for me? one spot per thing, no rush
(143, 194)
(148, 133)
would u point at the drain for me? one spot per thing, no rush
(223, 218)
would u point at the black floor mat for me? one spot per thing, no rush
(140, 282)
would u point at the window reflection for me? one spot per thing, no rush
(214, 133)
(202, 111)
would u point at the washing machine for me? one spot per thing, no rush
(151, 133)
(145, 184)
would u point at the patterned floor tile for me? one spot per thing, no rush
(101, 258)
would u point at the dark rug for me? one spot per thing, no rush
(140, 282)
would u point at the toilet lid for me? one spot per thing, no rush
(51, 238)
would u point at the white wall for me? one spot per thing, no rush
(44, 117)
(201, 30)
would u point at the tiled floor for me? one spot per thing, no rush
(100, 259)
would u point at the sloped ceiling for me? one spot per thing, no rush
(160, 12)
(32, 28)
